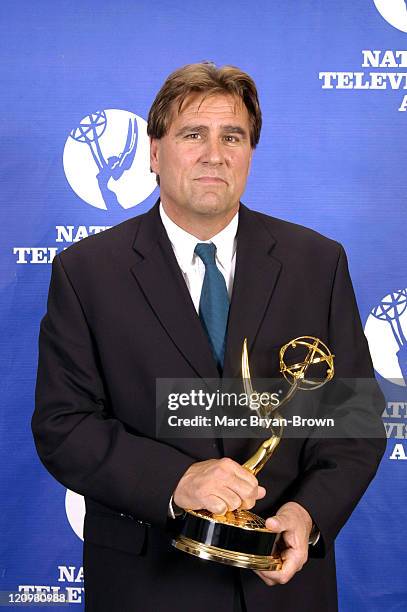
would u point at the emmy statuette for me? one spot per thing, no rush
(240, 537)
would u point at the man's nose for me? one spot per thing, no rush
(213, 152)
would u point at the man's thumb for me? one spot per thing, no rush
(274, 524)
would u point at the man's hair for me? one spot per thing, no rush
(209, 80)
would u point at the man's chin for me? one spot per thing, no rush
(211, 205)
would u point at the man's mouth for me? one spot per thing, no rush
(211, 180)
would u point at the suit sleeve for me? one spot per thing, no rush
(337, 471)
(83, 447)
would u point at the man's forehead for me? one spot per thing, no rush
(217, 104)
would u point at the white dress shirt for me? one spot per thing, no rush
(192, 266)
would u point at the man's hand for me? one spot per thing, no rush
(217, 485)
(295, 524)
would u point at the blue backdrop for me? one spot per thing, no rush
(330, 157)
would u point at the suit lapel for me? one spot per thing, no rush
(256, 275)
(160, 278)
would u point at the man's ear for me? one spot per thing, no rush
(250, 162)
(154, 155)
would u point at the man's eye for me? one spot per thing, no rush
(231, 138)
(193, 136)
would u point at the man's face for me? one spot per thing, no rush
(204, 159)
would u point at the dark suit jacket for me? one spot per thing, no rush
(119, 316)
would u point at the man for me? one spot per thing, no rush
(142, 301)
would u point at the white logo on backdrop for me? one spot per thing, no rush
(386, 330)
(107, 160)
(75, 511)
(394, 12)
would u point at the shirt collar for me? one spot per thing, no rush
(184, 243)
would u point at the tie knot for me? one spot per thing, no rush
(206, 251)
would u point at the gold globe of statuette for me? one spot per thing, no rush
(317, 353)
(240, 537)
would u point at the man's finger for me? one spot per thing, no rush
(230, 497)
(292, 563)
(247, 492)
(216, 505)
(293, 560)
(243, 487)
(277, 524)
(244, 474)
(261, 492)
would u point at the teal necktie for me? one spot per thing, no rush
(214, 302)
